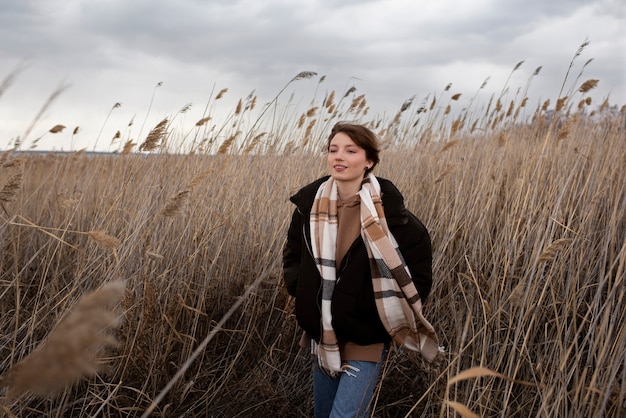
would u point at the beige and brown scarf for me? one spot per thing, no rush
(398, 302)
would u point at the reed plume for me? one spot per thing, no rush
(223, 149)
(329, 100)
(200, 178)
(155, 136)
(175, 204)
(221, 93)
(588, 85)
(104, 240)
(303, 75)
(56, 129)
(72, 349)
(444, 173)
(10, 189)
(128, 147)
(301, 120)
(13, 162)
(550, 253)
(203, 121)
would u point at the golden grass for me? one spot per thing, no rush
(528, 234)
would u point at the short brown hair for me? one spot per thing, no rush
(362, 136)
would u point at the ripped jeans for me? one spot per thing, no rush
(348, 395)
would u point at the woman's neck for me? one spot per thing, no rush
(346, 190)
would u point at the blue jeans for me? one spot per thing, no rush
(348, 395)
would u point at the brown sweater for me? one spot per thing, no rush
(348, 230)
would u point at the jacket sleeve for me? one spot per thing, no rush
(292, 254)
(416, 248)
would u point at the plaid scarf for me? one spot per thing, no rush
(398, 302)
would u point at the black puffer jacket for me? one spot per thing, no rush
(355, 317)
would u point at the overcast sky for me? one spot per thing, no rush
(116, 51)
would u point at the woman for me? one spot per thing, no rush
(355, 293)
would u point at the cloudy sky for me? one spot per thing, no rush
(117, 51)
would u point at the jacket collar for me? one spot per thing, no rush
(393, 201)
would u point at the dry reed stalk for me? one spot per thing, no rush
(175, 204)
(477, 372)
(239, 107)
(72, 349)
(104, 240)
(9, 79)
(8, 193)
(462, 410)
(455, 96)
(55, 94)
(156, 135)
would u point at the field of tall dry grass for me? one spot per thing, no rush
(148, 282)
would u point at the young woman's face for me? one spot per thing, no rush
(346, 160)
